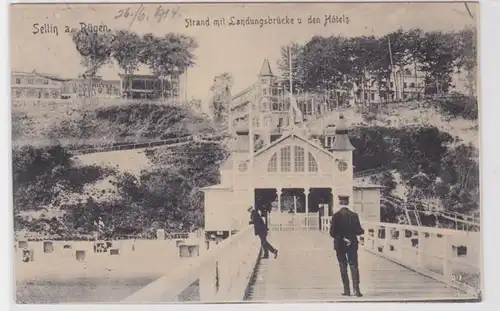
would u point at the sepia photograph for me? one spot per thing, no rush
(169, 153)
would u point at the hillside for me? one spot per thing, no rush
(58, 194)
(401, 116)
(100, 125)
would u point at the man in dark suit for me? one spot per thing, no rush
(344, 229)
(260, 229)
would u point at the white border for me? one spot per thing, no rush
(490, 127)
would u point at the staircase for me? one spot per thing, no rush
(413, 217)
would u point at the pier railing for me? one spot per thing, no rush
(450, 256)
(221, 274)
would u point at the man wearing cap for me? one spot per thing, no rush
(344, 229)
(260, 229)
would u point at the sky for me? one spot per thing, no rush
(234, 49)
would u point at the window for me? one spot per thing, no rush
(373, 96)
(299, 159)
(18, 81)
(405, 85)
(256, 122)
(271, 166)
(312, 165)
(18, 93)
(286, 160)
(242, 167)
(342, 166)
(45, 81)
(30, 81)
(267, 121)
(412, 84)
(392, 84)
(328, 141)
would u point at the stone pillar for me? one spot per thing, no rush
(278, 193)
(306, 195)
(278, 218)
(325, 211)
(331, 202)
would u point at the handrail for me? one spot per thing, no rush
(223, 273)
(129, 146)
(418, 248)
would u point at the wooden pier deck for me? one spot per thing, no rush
(307, 270)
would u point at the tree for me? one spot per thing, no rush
(221, 98)
(127, 49)
(168, 56)
(437, 61)
(325, 66)
(43, 177)
(195, 104)
(465, 49)
(414, 38)
(386, 180)
(95, 50)
(295, 50)
(459, 186)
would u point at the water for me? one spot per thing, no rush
(79, 290)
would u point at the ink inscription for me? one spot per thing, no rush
(160, 14)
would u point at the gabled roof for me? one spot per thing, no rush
(278, 141)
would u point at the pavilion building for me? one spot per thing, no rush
(291, 166)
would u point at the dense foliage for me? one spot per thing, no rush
(127, 123)
(458, 106)
(221, 97)
(431, 164)
(165, 196)
(45, 177)
(328, 63)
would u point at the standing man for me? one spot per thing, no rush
(260, 229)
(344, 229)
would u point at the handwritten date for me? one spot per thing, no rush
(159, 15)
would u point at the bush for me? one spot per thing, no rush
(458, 105)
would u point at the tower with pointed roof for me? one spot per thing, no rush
(267, 121)
(343, 176)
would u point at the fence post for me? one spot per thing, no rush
(401, 237)
(447, 268)
(387, 239)
(421, 249)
